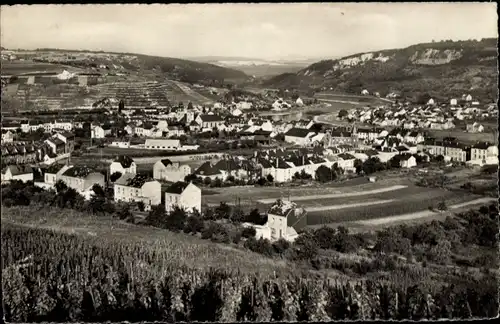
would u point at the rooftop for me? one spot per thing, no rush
(177, 187)
(124, 160)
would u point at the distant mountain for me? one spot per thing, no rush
(444, 68)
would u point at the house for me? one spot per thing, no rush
(82, 179)
(194, 126)
(7, 136)
(170, 171)
(209, 170)
(280, 104)
(431, 102)
(346, 161)
(279, 169)
(299, 136)
(261, 231)
(475, 128)
(299, 102)
(457, 152)
(407, 161)
(17, 172)
(479, 151)
(208, 121)
(54, 172)
(138, 188)
(414, 137)
(184, 195)
(162, 144)
(123, 164)
(286, 219)
(56, 145)
(453, 102)
(97, 132)
(468, 98)
(365, 92)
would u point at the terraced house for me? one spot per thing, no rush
(170, 171)
(123, 164)
(138, 188)
(184, 195)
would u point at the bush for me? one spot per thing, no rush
(248, 232)
(194, 225)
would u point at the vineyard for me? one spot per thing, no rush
(50, 276)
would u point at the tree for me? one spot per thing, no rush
(270, 178)
(254, 217)
(123, 212)
(442, 206)
(141, 206)
(217, 183)
(176, 219)
(207, 181)
(60, 186)
(324, 174)
(261, 181)
(190, 178)
(190, 106)
(98, 190)
(223, 211)
(121, 106)
(342, 113)
(194, 224)
(358, 165)
(394, 162)
(156, 216)
(305, 246)
(237, 216)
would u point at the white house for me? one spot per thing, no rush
(236, 112)
(137, 188)
(17, 172)
(54, 172)
(162, 144)
(170, 171)
(82, 179)
(261, 231)
(407, 161)
(285, 219)
(97, 132)
(123, 164)
(468, 98)
(365, 92)
(184, 195)
(7, 136)
(208, 121)
(453, 102)
(431, 102)
(299, 102)
(475, 128)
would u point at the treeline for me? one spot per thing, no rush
(49, 276)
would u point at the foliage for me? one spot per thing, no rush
(115, 176)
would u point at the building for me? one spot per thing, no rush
(209, 121)
(17, 172)
(54, 172)
(57, 145)
(123, 164)
(170, 171)
(209, 170)
(299, 136)
(138, 188)
(407, 161)
(7, 136)
(82, 178)
(162, 144)
(475, 128)
(286, 219)
(479, 151)
(97, 132)
(184, 195)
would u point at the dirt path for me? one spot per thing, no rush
(422, 214)
(337, 195)
(335, 207)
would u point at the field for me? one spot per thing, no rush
(346, 203)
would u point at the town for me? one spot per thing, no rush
(233, 164)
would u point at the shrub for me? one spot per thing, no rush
(248, 232)
(194, 225)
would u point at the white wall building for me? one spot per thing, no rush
(184, 195)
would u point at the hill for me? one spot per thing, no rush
(60, 79)
(444, 68)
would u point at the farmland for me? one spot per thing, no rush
(347, 203)
(29, 67)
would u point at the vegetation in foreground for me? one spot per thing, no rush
(436, 270)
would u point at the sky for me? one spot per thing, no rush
(265, 31)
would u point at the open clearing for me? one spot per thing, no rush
(335, 207)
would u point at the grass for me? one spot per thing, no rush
(187, 249)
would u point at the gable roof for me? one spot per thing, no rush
(346, 156)
(166, 162)
(18, 169)
(282, 207)
(177, 187)
(298, 132)
(131, 180)
(207, 169)
(211, 118)
(124, 160)
(78, 171)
